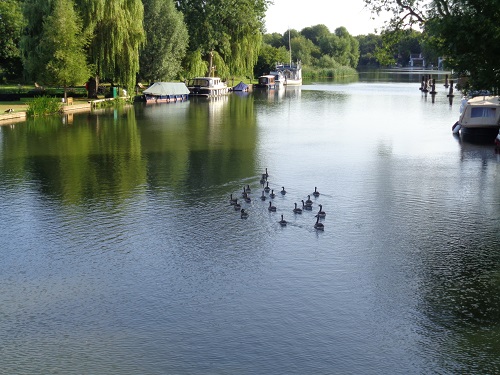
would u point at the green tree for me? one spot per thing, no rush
(34, 12)
(304, 50)
(316, 33)
(465, 32)
(116, 36)
(11, 25)
(230, 29)
(275, 40)
(61, 48)
(268, 57)
(166, 41)
(368, 44)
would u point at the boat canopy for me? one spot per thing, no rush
(241, 87)
(167, 88)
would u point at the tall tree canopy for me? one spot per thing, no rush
(62, 47)
(116, 36)
(166, 41)
(465, 32)
(34, 12)
(11, 25)
(228, 29)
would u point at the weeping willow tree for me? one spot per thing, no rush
(166, 41)
(194, 65)
(34, 12)
(116, 36)
(62, 47)
(227, 33)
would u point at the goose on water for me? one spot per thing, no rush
(318, 225)
(309, 202)
(232, 200)
(263, 197)
(283, 191)
(316, 192)
(237, 206)
(306, 206)
(282, 221)
(267, 188)
(247, 198)
(244, 214)
(271, 207)
(297, 210)
(272, 195)
(321, 213)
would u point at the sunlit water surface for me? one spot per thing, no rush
(120, 253)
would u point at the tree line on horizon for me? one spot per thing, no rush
(64, 42)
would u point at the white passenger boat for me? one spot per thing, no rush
(292, 73)
(479, 115)
(207, 86)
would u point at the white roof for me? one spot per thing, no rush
(167, 88)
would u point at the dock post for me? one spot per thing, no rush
(450, 93)
(425, 86)
(433, 87)
(446, 81)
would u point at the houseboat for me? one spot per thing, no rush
(207, 86)
(479, 116)
(292, 73)
(279, 78)
(164, 92)
(267, 82)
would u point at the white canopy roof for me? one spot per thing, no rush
(166, 88)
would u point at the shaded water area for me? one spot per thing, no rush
(120, 253)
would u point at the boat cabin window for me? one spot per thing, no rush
(200, 82)
(483, 112)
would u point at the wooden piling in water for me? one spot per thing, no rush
(450, 93)
(433, 87)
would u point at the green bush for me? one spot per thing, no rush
(44, 105)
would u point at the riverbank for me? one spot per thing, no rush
(16, 111)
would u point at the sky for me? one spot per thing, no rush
(297, 14)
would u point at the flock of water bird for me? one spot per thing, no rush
(268, 193)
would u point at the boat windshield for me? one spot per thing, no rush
(200, 82)
(483, 112)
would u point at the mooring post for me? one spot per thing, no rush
(433, 87)
(450, 93)
(446, 81)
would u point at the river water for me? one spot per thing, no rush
(120, 252)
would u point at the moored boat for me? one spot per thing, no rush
(479, 116)
(292, 73)
(207, 86)
(165, 92)
(267, 82)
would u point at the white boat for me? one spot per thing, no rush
(207, 86)
(479, 115)
(279, 78)
(292, 73)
